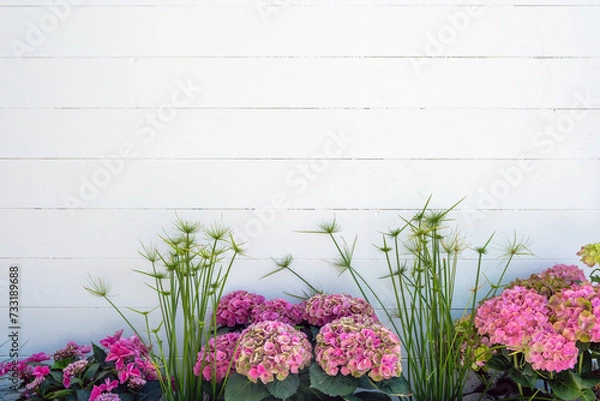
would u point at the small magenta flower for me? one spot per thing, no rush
(357, 348)
(98, 394)
(270, 351)
(39, 357)
(325, 308)
(129, 372)
(236, 308)
(217, 358)
(278, 310)
(110, 340)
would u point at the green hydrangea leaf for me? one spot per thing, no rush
(526, 378)
(331, 385)
(99, 354)
(397, 386)
(565, 386)
(284, 389)
(91, 372)
(239, 388)
(499, 363)
(368, 396)
(58, 394)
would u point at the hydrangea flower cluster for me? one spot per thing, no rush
(356, 348)
(217, 357)
(512, 318)
(131, 358)
(272, 350)
(71, 351)
(236, 308)
(590, 254)
(544, 323)
(278, 310)
(72, 370)
(325, 308)
(574, 313)
(551, 351)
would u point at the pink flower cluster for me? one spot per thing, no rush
(570, 273)
(547, 328)
(217, 356)
(131, 358)
(72, 350)
(513, 317)
(103, 391)
(73, 369)
(325, 308)
(39, 373)
(24, 368)
(551, 351)
(278, 310)
(272, 350)
(356, 348)
(236, 308)
(575, 311)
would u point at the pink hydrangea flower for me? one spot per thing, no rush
(236, 308)
(325, 308)
(357, 348)
(511, 318)
(217, 357)
(98, 390)
(272, 350)
(575, 311)
(569, 273)
(551, 351)
(278, 310)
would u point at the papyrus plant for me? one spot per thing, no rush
(421, 260)
(188, 277)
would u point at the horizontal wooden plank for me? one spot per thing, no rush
(286, 28)
(298, 83)
(253, 134)
(297, 3)
(284, 184)
(117, 234)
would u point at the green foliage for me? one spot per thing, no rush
(188, 278)
(331, 385)
(284, 389)
(239, 388)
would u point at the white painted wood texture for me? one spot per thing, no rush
(274, 116)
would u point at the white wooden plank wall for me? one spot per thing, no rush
(274, 115)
